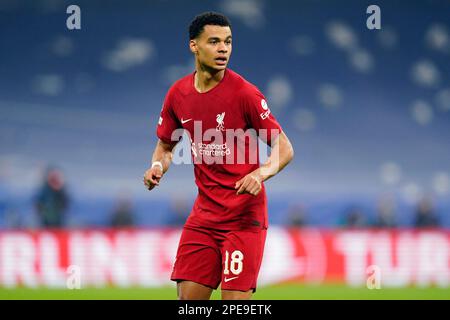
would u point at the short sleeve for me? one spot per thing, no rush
(168, 121)
(259, 116)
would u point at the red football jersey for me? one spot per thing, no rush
(223, 124)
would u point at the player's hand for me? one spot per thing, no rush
(251, 183)
(152, 177)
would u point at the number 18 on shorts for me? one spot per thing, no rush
(211, 257)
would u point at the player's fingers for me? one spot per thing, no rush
(153, 181)
(257, 181)
(252, 188)
(150, 185)
(244, 186)
(157, 172)
(255, 190)
(147, 177)
(147, 184)
(248, 187)
(238, 183)
(254, 184)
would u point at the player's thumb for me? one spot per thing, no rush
(238, 184)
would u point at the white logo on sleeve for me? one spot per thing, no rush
(184, 121)
(220, 124)
(264, 104)
(264, 115)
(161, 118)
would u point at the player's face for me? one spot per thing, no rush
(213, 47)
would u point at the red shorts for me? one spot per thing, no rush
(209, 257)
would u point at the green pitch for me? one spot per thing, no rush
(285, 292)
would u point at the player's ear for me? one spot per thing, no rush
(193, 46)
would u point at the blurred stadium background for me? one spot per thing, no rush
(368, 112)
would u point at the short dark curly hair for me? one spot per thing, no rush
(211, 18)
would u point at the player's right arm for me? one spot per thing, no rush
(161, 160)
(162, 156)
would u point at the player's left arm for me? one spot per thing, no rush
(281, 154)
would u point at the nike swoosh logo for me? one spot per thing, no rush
(229, 279)
(184, 121)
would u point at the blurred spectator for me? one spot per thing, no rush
(355, 218)
(52, 200)
(386, 213)
(9, 215)
(297, 215)
(178, 212)
(123, 214)
(3, 201)
(425, 214)
(12, 218)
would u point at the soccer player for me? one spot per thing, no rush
(223, 238)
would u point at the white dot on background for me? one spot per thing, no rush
(387, 37)
(441, 183)
(330, 96)
(62, 46)
(443, 99)
(341, 35)
(411, 192)
(279, 91)
(425, 73)
(302, 45)
(304, 119)
(48, 84)
(437, 38)
(422, 112)
(390, 173)
(361, 60)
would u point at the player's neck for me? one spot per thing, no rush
(205, 80)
